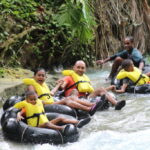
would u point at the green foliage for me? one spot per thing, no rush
(63, 34)
(78, 17)
(21, 9)
(2, 72)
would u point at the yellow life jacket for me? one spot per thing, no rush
(31, 110)
(133, 76)
(83, 86)
(40, 89)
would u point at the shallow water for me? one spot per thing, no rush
(127, 129)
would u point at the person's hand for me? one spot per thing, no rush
(52, 93)
(100, 62)
(60, 81)
(19, 117)
(113, 88)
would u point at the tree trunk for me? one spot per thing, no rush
(118, 19)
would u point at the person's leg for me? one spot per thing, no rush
(78, 123)
(53, 123)
(74, 104)
(77, 105)
(51, 126)
(63, 120)
(85, 103)
(115, 66)
(102, 91)
(118, 104)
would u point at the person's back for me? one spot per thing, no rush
(132, 73)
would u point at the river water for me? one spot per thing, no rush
(127, 129)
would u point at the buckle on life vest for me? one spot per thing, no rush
(36, 115)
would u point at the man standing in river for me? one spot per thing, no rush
(129, 53)
(79, 69)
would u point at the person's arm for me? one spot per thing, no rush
(20, 105)
(102, 61)
(141, 65)
(122, 90)
(19, 115)
(65, 83)
(119, 54)
(110, 88)
(55, 89)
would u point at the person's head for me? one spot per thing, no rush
(31, 97)
(79, 67)
(128, 43)
(127, 65)
(40, 75)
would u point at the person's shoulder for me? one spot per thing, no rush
(86, 76)
(67, 78)
(29, 81)
(121, 71)
(21, 103)
(136, 69)
(135, 49)
(39, 101)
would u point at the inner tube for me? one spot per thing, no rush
(19, 131)
(140, 89)
(12, 101)
(62, 109)
(27, 134)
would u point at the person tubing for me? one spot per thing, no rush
(83, 81)
(42, 90)
(134, 76)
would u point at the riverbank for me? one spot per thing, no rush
(11, 82)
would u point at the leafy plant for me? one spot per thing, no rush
(62, 29)
(2, 72)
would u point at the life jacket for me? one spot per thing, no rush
(42, 90)
(135, 76)
(82, 82)
(35, 114)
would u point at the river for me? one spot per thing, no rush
(127, 129)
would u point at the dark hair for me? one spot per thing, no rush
(29, 93)
(126, 63)
(130, 38)
(37, 70)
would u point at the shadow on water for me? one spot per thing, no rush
(127, 129)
